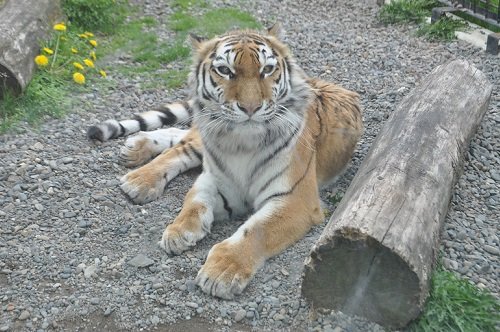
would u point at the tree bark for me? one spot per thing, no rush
(375, 256)
(23, 24)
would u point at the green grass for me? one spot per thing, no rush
(443, 29)
(213, 22)
(455, 304)
(407, 11)
(44, 96)
(336, 198)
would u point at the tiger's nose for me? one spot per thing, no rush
(250, 108)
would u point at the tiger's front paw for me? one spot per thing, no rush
(144, 184)
(226, 272)
(175, 239)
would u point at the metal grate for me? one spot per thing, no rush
(489, 9)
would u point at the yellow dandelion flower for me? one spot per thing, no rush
(93, 56)
(60, 27)
(74, 50)
(103, 73)
(82, 35)
(41, 60)
(88, 34)
(79, 78)
(78, 65)
(89, 63)
(48, 50)
(93, 42)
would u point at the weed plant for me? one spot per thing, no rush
(443, 29)
(406, 11)
(455, 305)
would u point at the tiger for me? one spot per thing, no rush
(267, 137)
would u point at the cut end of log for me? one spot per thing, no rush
(385, 290)
(8, 82)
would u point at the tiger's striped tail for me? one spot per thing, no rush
(166, 115)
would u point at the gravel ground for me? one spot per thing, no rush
(76, 254)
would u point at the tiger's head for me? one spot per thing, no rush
(247, 82)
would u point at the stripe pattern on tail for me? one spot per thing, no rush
(166, 115)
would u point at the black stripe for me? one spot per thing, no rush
(271, 179)
(288, 192)
(212, 81)
(287, 61)
(184, 164)
(187, 107)
(217, 161)
(167, 117)
(194, 151)
(122, 130)
(226, 205)
(238, 54)
(278, 78)
(113, 130)
(320, 124)
(288, 140)
(185, 152)
(142, 123)
(205, 94)
(198, 68)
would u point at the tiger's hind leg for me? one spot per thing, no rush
(144, 146)
(148, 182)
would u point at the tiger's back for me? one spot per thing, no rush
(338, 122)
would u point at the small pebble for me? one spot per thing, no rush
(240, 314)
(25, 314)
(140, 260)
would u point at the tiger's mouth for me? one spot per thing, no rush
(236, 117)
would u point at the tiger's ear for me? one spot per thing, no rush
(196, 41)
(276, 31)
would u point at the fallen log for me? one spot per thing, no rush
(23, 24)
(375, 257)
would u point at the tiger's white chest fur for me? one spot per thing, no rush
(247, 171)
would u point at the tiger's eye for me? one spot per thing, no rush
(268, 69)
(224, 70)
